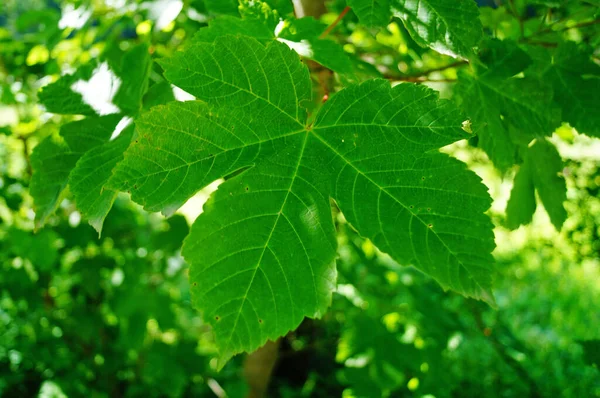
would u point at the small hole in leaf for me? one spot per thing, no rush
(422, 178)
(260, 321)
(429, 209)
(217, 318)
(195, 284)
(247, 189)
(411, 206)
(430, 225)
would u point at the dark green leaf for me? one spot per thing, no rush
(591, 351)
(158, 94)
(59, 97)
(502, 59)
(521, 205)
(576, 82)
(222, 6)
(371, 12)
(506, 112)
(546, 170)
(541, 169)
(302, 35)
(229, 25)
(134, 73)
(305, 32)
(55, 157)
(92, 172)
(283, 6)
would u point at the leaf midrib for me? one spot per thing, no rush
(268, 240)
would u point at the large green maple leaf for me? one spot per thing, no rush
(262, 252)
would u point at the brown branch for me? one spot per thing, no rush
(258, 367)
(334, 23)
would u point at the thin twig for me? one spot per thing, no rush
(420, 80)
(26, 155)
(546, 44)
(421, 76)
(334, 23)
(579, 25)
(441, 68)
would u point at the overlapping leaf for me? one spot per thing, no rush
(576, 83)
(371, 12)
(521, 205)
(506, 111)
(222, 6)
(134, 72)
(90, 174)
(262, 23)
(450, 27)
(59, 97)
(540, 172)
(55, 157)
(262, 251)
(83, 155)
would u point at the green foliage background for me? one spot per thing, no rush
(112, 316)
